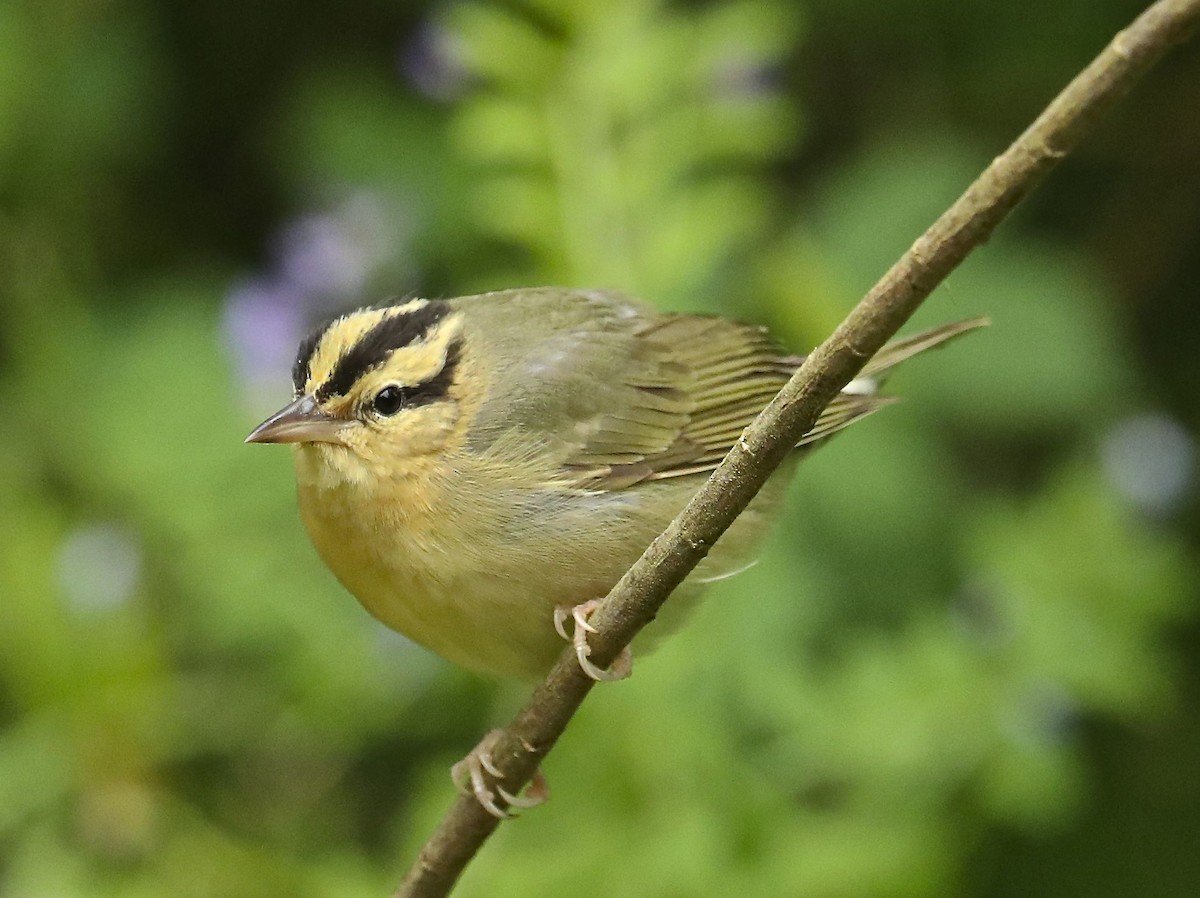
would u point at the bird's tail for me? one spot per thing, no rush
(861, 396)
(902, 350)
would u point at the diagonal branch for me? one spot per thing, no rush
(635, 600)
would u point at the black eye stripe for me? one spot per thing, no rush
(433, 390)
(436, 387)
(373, 347)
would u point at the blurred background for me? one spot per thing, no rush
(968, 662)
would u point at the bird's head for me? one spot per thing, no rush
(374, 388)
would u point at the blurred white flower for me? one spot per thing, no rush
(741, 75)
(1045, 714)
(1150, 459)
(99, 566)
(433, 62)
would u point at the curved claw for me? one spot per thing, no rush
(561, 613)
(622, 665)
(538, 791)
(468, 776)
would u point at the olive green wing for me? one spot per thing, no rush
(620, 393)
(738, 370)
(730, 372)
(571, 372)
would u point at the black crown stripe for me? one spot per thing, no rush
(302, 367)
(373, 347)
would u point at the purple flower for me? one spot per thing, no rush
(264, 321)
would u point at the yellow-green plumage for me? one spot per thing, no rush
(548, 436)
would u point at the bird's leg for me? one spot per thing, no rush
(470, 778)
(622, 665)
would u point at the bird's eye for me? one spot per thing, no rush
(388, 401)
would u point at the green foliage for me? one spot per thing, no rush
(959, 612)
(625, 143)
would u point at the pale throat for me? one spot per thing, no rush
(370, 491)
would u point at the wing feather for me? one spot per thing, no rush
(621, 394)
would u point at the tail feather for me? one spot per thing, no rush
(703, 448)
(902, 350)
(860, 397)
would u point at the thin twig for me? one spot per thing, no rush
(635, 600)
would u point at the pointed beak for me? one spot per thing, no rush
(301, 422)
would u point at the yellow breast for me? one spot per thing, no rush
(420, 559)
(463, 556)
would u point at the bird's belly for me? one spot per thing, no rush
(485, 599)
(424, 586)
(488, 625)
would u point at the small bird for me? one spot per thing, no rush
(479, 471)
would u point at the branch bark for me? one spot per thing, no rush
(636, 598)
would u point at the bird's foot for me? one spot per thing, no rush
(470, 776)
(622, 665)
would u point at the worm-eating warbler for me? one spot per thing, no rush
(468, 468)
(476, 471)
